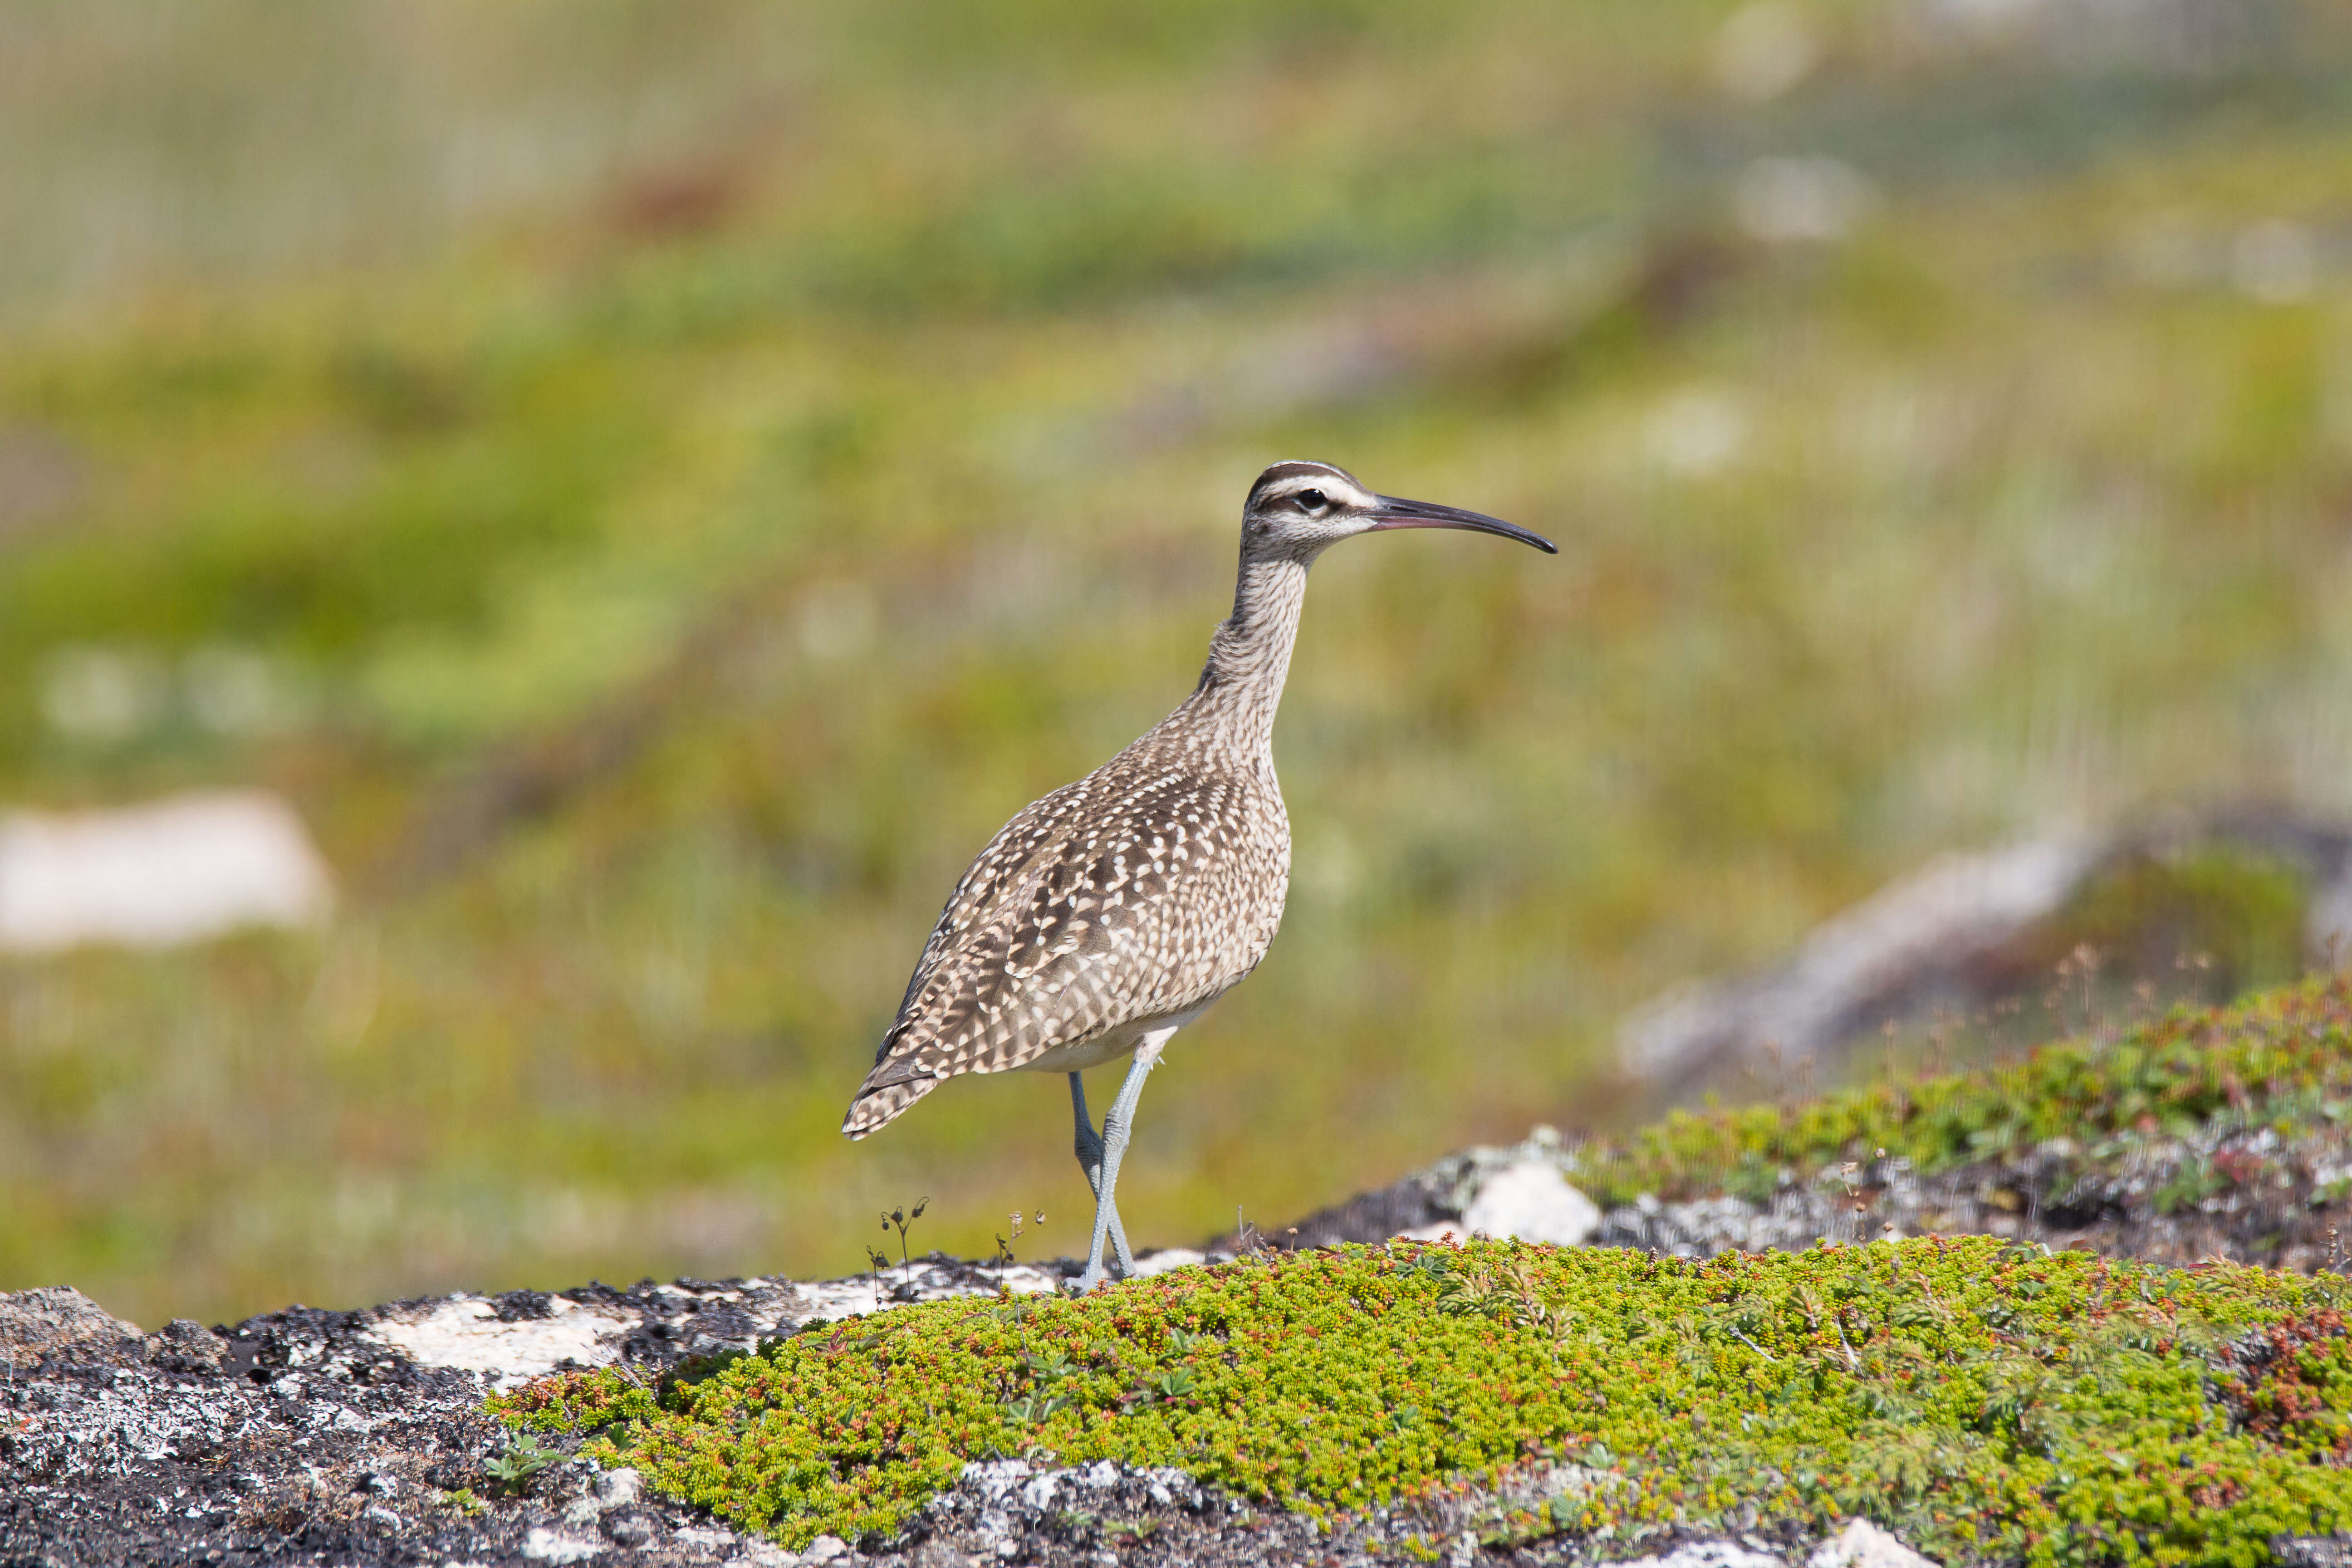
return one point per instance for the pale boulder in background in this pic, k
(176, 870)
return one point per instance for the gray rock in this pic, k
(545, 1545)
(35, 1322)
(619, 1488)
(182, 1345)
(627, 1527)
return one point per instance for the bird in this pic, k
(1110, 913)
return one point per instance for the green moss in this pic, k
(2282, 1058)
(1984, 1399)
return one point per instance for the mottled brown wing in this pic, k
(1074, 920)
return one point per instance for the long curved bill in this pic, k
(1396, 513)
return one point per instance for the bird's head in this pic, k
(1298, 509)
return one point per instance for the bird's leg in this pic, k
(1090, 1144)
(1090, 1156)
(1118, 1123)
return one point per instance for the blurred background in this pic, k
(551, 532)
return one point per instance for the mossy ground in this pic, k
(2281, 1058)
(1986, 1400)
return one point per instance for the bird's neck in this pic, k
(1249, 658)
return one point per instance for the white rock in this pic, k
(1532, 1200)
(1862, 1544)
(996, 1478)
(1166, 1258)
(619, 1489)
(465, 1332)
(824, 1549)
(834, 1300)
(177, 870)
(1708, 1554)
(545, 1545)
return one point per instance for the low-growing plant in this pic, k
(2282, 1059)
(524, 1462)
(900, 1219)
(1986, 1400)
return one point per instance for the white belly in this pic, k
(1111, 1046)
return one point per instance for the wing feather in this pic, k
(1115, 899)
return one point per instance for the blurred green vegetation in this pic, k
(685, 474)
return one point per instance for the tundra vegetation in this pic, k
(1986, 1399)
(2279, 1059)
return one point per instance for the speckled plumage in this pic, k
(1137, 894)
(1116, 908)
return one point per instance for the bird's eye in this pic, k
(1310, 500)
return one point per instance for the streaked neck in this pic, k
(1249, 658)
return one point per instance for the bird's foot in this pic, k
(1101, 1269)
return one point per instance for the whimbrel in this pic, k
(1110, 914)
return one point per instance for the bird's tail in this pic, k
(877, 1103)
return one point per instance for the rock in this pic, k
(1862, 1544)
(627, 1527)
(2312, 1551)
(35, 1322)
(545, 1545)
(1166, 1258)
(1708, 1554)
(939, 1555)
(467, 1333)
(619, 1488)
(171, 871)
(182, 1345)
(824, 1549)
(1532, 1200)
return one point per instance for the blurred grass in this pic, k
(689, 473)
